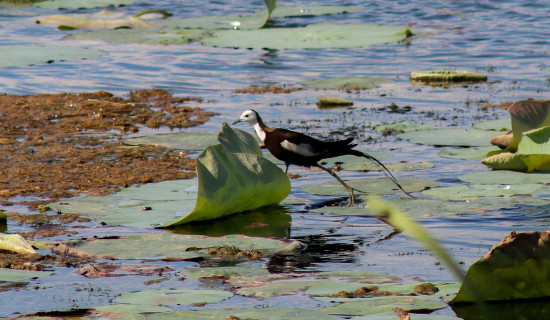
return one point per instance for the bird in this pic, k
(299, 149)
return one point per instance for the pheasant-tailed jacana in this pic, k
(297, 148)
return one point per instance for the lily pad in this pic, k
(447, 76)
(22, 55)
(392, 167)
(404, 126)
(267, 313)
(310, 37)
(20, 275)
(371, 186)
(131, 309)
(178, 141)
(384, 304)
(505, 177)
(450, 137)
(495, 125)
(99, 20)
(195, 273)
(473, 153)
(72, 4)
(307, 11)
(15, 243)
(380, 155)
(169, 297)
(143, 36)
(516, 268)
(347, 83)
(481, 190)
(276, 288)
(176, 246)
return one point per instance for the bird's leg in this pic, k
(350, 189)
(286, 167)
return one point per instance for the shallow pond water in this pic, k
(505, 40)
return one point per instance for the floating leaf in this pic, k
(516, 268)
(450, 137)
(276, 288)
(371, 185)
(447, 76)
(20, 275)
(354, 159)
(235, 182)
(495, 125)
(473, 153)
(392, 167)
(178, 141)
(131, 309)
(143, 36)
(481, 190)
(347, 83)
(226, 272)
(384, 304)
(72, 4)
(309, 37)
(99, 20)
(175, 246)
(15, 243)
(306, 11)
(22, 55)
(267, 313)
(505, 177)
(404, 126)
(170, 297)
(333, 102)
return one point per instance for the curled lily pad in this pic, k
(347, 83)
(516, 268)
(22, 55)
(447, 76)
(309, 37)
(15, 243)
(333, 102)
(305, 10)
(450, 137)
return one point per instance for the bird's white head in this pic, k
(249, 116)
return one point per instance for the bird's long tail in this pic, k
(385, 170)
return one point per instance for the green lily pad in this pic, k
(495, 125)
(450, 137)
(132, 309)
(478, 190)
(413, 316)
(309, 37)
(234, 177)
(384, 304)
(365, 167)
(505, 177)
(143, 36)
(404, 126)
(347, 83)
(305, 10)
(348, 160)
(98, 20)
(20, 275)
(473, 153)
(527, 115)
(71, 4)
(15, 243)
(169, 297)
(22, 55)
(267, 313)
(178, 141)
(371, 186)
(276, 288)
(447, 76)
(516, 268)
(157, 246)
(3, 216)
(195, 273)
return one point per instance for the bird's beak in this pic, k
(236, 121)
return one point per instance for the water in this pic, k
(506, 40)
